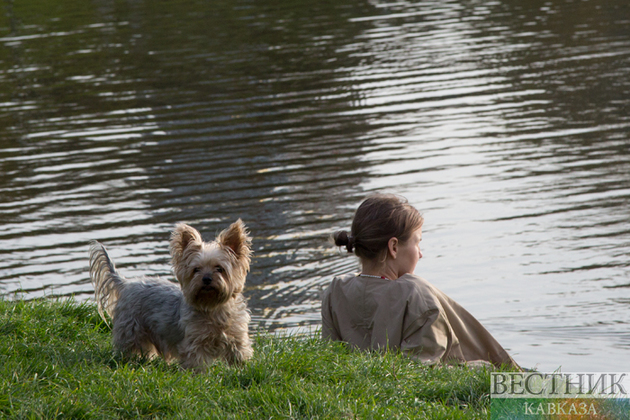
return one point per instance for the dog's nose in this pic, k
(207, 280)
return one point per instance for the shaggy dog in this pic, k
(203, 320)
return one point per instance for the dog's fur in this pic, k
(206, 319)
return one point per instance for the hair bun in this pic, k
(342, 238)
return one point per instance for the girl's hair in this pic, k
(378, 219)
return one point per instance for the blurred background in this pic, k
(504, 122)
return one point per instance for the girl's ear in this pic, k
(392, 247)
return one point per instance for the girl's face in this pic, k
(409, 253)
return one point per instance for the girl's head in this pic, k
(378, 219)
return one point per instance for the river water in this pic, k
(505, 122)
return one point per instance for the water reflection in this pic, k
(503, 121)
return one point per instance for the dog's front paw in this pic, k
(239, 355)
(194, 364)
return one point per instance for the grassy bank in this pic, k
(56, 361)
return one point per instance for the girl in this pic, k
(386, 306)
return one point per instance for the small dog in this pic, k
(206, 319)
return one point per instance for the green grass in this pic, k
(56, 361)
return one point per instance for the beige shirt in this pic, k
(409, 314)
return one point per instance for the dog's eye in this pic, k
(219, 269)
(196, 270)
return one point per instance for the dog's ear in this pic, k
(236, 239)
(185, 242)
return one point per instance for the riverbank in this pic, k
(56, 361)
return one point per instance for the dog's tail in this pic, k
(106, 280)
